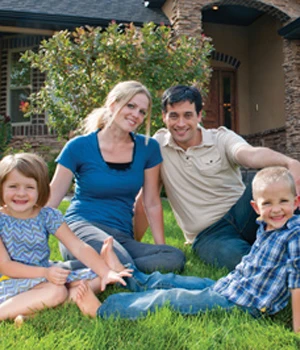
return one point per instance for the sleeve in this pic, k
(68, 156)
(294, 260)
(231, 143)
(154, 156)
(53, 219)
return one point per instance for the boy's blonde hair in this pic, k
(30, 165)
(271, 175)
(122, 93)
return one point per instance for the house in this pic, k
(255, 86)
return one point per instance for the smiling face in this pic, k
(182, 121)
(132, 114)
(20, 194)
(275, 203)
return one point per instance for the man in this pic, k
(202, 178)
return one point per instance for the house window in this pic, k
(19, 88)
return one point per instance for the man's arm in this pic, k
(296, 309)
(260, 157)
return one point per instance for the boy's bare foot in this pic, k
(86, 300)
(110, 257)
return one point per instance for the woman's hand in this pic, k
(115, 277)
(56, 275)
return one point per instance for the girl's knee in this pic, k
(58, 294)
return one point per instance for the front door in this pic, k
(220, 104)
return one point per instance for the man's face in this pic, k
(182, 120)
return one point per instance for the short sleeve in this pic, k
(68, 156)
(53, 219)
(154, 156)
(231, 142)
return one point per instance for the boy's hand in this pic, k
(114, 277)
(56, 275)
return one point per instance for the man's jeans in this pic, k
(229, 239)
(184, 294)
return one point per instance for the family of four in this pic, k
(118, 175)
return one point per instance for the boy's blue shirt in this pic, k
(264, 277)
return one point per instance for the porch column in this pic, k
(187, 17)
(291, 66)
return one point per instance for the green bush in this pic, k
(82, 66)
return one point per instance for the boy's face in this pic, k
(275, 203)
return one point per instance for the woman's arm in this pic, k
(59, 185)
(89, 257)
(152, 203)
(296, 309)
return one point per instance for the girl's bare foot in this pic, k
(110, 257)
(19, 320)
(86, 300)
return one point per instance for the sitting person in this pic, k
(261, 284)
(110, 164)
(28, 280)
(202, 178)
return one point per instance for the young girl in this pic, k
(28, 280)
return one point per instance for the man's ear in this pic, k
(255, 207)
(199, 117)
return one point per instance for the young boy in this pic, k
(261, 284)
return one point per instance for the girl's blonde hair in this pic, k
(122, 93)
(30, 165)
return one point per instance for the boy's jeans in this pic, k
(185, 294)
(229, 239)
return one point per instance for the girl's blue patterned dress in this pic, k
(26, 241)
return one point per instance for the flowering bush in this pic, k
(82, 67)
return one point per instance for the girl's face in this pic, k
(131, 116)
(20, 194)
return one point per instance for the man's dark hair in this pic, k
(181, 93)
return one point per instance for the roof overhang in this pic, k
(291, 31)
(154, 3)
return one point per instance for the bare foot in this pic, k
(19, 320)
(110, 257)
(86, 300)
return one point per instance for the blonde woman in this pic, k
(111, 164)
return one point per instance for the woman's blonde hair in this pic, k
(122, 93)
(30, 165)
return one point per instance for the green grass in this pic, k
(65, 327)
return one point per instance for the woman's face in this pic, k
(131, 116)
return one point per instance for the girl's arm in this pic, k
(60, 184)
(152, 203)
(296, 309)
(89, 257)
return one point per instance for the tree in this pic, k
(81, 67)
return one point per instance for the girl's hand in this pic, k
(57, 275)
(113, 277)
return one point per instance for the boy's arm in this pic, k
(296, 309)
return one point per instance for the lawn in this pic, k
(65, 327)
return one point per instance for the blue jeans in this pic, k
(185, 294)
(146, 257)
(224, 243)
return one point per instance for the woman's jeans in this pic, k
(146, 257)
(185, 294)
(224, 243)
